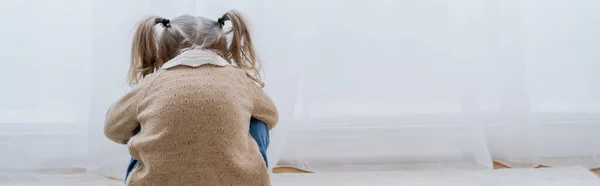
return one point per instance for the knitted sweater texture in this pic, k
(194, 127)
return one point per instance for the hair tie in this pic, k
(165, 23)
(221, 22)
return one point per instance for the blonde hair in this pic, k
(150, 50)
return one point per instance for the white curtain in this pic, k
(419, 84)
(405, 84)
(45, 57)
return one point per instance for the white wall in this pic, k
(46, 59)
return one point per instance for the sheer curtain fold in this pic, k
(386, 89)
(562, 74)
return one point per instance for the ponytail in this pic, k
(144, 48)
(241, 48)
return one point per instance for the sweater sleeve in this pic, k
(264, 109)
(121, 118)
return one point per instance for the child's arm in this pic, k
(264, 109)
(121, 122)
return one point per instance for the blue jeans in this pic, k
(258, 131)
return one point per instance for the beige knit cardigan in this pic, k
(194, 127)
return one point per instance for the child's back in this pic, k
(195, 127)
(196, 94)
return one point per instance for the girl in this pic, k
(196, 94)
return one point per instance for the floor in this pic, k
(501, 176)
(569, 176)
(496, 166)
(504, 177)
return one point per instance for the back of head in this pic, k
(151, 50)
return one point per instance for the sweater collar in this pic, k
(195, 58)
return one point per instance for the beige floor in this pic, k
(496, 166)
(565, 176)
